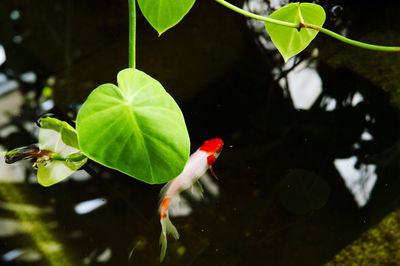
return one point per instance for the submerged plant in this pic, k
(136, 127)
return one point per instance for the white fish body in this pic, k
(198, 164)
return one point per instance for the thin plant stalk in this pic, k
(132, 33)
(330, 33)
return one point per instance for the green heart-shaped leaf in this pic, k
(164, 14)
(67, 132)
(52, 140)
(291, 41)
(136, 128)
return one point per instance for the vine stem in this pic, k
(310, 26)
(364, 45)
(257, 17)
(132, 33)
(75, 158)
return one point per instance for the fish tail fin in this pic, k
(167, 228)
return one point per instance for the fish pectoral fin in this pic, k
(197, 191)
(199, 187)
(209, 185)
(167, 228)
(213, 172)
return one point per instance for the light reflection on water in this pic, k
(88, 206)
(44, 238)
(302, 82)
(359, 180)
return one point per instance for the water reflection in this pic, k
(306, 89)
(97, 256)
(359, 178)
(10, 227)
(22, 255)
(279, 200)
(303, 191)
(2, 54)
(88, 206)
(301, 81)
(15, 14)
(263, 8)
(31, 223)
(25, 208)
(7, 85)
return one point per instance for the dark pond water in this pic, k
(311, 161)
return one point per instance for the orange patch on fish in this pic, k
(164, 207)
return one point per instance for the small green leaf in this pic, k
(291, 41)
(136, 128)
(164, 14)
(68, 133)
(51, 172)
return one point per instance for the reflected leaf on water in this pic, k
(303, 191)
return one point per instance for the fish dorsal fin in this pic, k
(209, 185)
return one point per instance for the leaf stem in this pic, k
(75, 157)
(132, 33)
(257, 17)
(310, 26)
(364, 45)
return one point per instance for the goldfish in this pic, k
(197, 165)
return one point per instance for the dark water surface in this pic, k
(311, 161)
